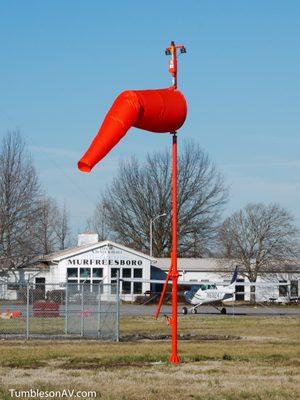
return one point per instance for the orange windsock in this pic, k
(161, 110)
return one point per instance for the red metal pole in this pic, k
(174, 359)
(162, 295)
(173, 64)
(173, 273)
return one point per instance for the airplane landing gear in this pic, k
(193, 310)
(186, 310)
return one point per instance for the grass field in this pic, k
(230, 358)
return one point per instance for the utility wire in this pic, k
(58, 167)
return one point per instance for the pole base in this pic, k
(174, 359)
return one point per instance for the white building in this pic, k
(217, 270)
(97, 262)
(94, 262)
(91, 262)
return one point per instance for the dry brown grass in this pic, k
(263, 365)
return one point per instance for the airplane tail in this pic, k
(234, 276)
(230, 289)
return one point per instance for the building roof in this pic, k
(62, 254)
(184, 264)
(215, 265)
(193, 264)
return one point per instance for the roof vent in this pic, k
(87, 238)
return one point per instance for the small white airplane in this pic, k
(209, 293)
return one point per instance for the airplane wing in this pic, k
(218, 283)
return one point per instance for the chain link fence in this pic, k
(71, 310)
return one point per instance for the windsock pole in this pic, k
(174, 359)
(164, 110)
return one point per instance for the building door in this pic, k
(40, 283)
(240, 288)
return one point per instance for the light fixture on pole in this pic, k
(151, 233)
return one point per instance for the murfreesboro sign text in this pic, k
(116, 262)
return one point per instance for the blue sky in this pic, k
(64, 62)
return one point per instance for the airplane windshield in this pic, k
(204, 286)
(208, 286)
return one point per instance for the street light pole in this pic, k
(151, 233)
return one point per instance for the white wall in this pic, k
(106, 257)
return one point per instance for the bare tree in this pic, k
(30, 224)
(52, 226)
(45, 225)
(19, 193)
(98, 222)
(140, 192)
(259, 238)
(62, 227)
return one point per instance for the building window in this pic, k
(85, 272)
(97, 287)
(97, 272)
(240, 290)
(126, 287)
(138, 273)
(86, 286)
(40, 283)
(294, 289)
(72, 273)
(85, 281)
(113, 280)
(73, 281)
(73, 288)
(126, 273)
(137, 287)
(283, 289)
(114, 272)
(13, 286)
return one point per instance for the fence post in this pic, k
(27, 311)
(66, 309)
(118, 307)
(82, 310)
(99, 312)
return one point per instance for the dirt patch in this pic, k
(24, 364)
(152, 337)
(97, 366)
